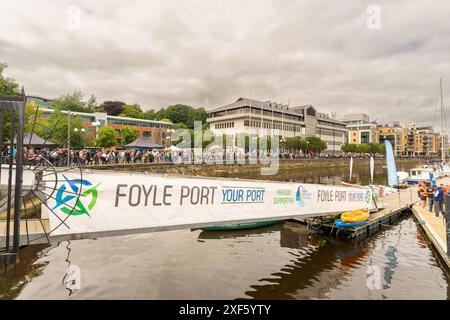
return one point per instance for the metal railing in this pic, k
(12, 107)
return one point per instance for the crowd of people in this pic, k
(433, 195)
(103, 156)
(91, 156)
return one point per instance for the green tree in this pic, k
(55, 129)
(350, 147)
(30, 111)
(107, 137)
(132, 111)
(128, 135)
(149, 115)
(74, 102)
(363, 148)
(315, 144)
(293, 144)
(181, 113)
(8, 86)
(373, 148)
(112, 108)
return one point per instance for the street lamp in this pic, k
(82, 130)
(169, 135)
(96, 124)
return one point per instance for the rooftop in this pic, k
(275, 107)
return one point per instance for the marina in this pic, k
(225, 151)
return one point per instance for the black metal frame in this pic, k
(15, 104)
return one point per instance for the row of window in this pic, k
(46, 115)
(330, 124)
(224, 125)
(259, 112)
(137, 124)
(325, 132)
(268, 125)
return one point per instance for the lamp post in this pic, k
(82, 130)
(169, 136)
(96, 124)
(68, 138)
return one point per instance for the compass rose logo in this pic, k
(70, 190)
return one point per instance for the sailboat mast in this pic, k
(442, 124)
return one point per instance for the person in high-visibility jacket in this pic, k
(423, 194)
(447, 190)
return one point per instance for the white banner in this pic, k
(122, 201)
(351, 169)
(372, 169)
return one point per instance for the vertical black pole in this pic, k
(2, 126)
(19, 170)
(447, 222)
(11, 158)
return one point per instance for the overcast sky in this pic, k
(208, 53)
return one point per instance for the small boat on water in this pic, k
(242, 226)
(355, 216)
(420, 174)
(402, 176)
(341, 224)
(352, 218)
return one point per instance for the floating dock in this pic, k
(394, 206)
(435, 229)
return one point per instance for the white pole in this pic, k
(271, 104)
(442, 124)
(351, 169)
(372, 169)
(68, 139)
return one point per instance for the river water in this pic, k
(284, 261)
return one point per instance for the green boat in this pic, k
(251, 225)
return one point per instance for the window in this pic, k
(365, 137)
(147, 134)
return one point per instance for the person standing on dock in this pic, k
(423, 195)
(430, 190)
(438, 199)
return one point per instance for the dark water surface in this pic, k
(284, 261)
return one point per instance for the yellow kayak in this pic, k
(355, 216)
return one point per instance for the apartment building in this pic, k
(360, 129)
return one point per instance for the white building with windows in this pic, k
(266, 118)
(360, 129)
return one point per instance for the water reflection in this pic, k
(330, 175)
(15, 277)
(318, 265)
(282, 261)
(232, 234)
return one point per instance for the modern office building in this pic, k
(156, 131)
(265, 118)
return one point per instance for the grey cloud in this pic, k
(208, 53)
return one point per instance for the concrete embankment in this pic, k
(220, 170)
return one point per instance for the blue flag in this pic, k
(390, 162)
